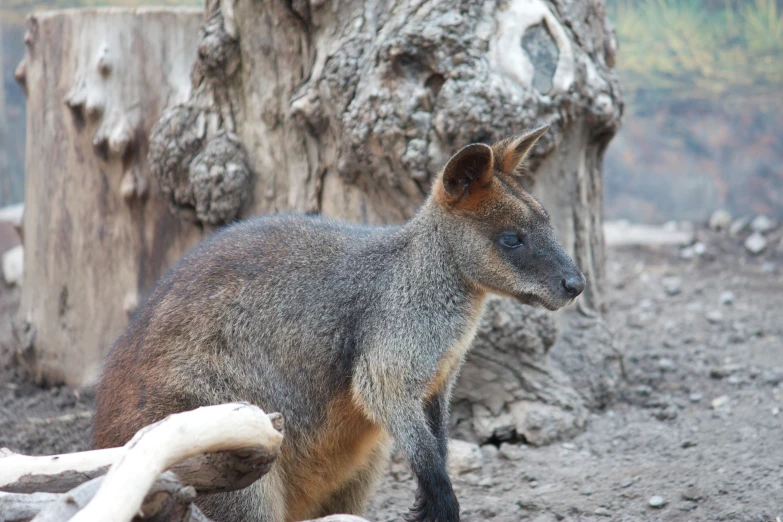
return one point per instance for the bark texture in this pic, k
(96, 236)
(349, 109)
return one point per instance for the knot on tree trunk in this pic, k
(201, 167)
(445, 78)
(204, 179)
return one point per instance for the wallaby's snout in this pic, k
(499, 232)
(574, 285)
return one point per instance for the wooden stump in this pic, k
(96, 235)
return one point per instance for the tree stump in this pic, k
(96, 236)
(350, 109)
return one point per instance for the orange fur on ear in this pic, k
(467, 171)
(510, 152)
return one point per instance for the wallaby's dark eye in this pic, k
(510, 240)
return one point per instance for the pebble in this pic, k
(656, 501)
(755, 244)
(726, 298)
(720, 220)
(772, 377)
(602, 512)
(696, 397)
(688, 253)
(692, 493)
(714, 316)
(672, 285)
(718, 402)
(666, 365)
(762, 224)
(12, 265)
(739, 226)
(490, 451)
(511, 451)
(699, 248)
(775, 411)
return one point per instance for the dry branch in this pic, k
(155, 448)
(16, 507)
(208, 473)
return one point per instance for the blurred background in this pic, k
(703, 128)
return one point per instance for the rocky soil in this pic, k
(695, 433)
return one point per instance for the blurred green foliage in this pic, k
(680, 50)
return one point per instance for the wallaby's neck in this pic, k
(421, 251)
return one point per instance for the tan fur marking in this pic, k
(344, 446)
(452, 360)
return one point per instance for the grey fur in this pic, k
(292, 312)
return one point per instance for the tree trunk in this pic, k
(5, 175)
(96, 238)
(349, 109)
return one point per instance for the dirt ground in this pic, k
(697, 420)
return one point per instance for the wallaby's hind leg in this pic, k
(263, 501)
(352, 497)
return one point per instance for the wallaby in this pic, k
(354, 333)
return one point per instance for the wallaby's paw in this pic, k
(434, 510)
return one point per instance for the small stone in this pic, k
(667, 413)
(726, 298)
(719, 402)
(692, 493)
(720, 220)
(13, 265)
(755, 244)
(666, 365)
(719, 372)
(656, 502)
(490, 451)
(714, 316)
(775, 411)
(511, 451)
(699, 248)
(643, 390)
(602, 512)
(688, 506)
(696, 397)
(628, 483)
(568, 446)
(734, 379)
(687, 444)
(464, 456)
(739, 226)
(762, 224)
(772, 377)
(672, 285)
(688, 253)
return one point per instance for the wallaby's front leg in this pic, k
(435, 498)
(393, 389)
(436, 408)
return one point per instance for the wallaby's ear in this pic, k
(509, 153)
(467, 171)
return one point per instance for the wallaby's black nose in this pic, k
(574, 285)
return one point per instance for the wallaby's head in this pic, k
(499, 234)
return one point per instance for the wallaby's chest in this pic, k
(450, 362)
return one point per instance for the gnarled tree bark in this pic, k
(349, 109)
